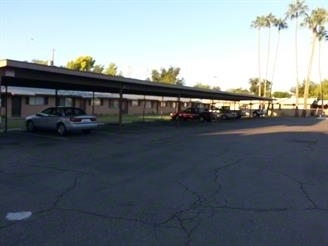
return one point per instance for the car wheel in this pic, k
(61, 129)
(30, 126)
(86, 131)
(223, 117)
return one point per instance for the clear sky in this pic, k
(210, 40)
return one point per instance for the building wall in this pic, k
(26, 107)
(110, 106)
(105, 106)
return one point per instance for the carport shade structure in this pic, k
(25, 74)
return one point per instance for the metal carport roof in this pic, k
(24, 74)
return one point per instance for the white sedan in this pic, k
(62, 120)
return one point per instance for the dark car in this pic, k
(226, 114)
(62, 120)
(193, 114)
(258, 113)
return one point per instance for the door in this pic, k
(125, 106)
(16, 106)
(82, 103)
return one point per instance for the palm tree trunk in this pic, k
(275, 59)
(259, 59)
(267, 64)
(296, 65)
(307, 82)
(320, 79)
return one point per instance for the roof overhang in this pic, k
(24, 74)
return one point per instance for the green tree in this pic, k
(324, 89)
(111, 69)
(314, 22)
(216, 88)
(239, 91)
(313, 91)
(167, 76)
(41, 62)
(98, 68)
(281, 94)
(202, 86)
(82, 63)
(294, 12)
(255, 85)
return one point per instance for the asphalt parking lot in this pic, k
(248, 182)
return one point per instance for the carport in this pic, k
(24, 74)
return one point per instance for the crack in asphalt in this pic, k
(187, 232)
(61, 169)
(65, 192)
(194, 193)
(302, 187)
(188, 219)
(308, 197)
(232, 163)
(250, 209)
(59, 197)
(105, 216)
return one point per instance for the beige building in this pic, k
(20, 102)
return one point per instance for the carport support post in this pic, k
(0, 105)
(178, 108)
(56, 98)
(93, 103)
(120, 105)
(6, 108)
(143, 108)
(179, 104)
(161, 108)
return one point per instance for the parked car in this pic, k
(193, 114)
(226, 114)
(62, 120)
(258, 113)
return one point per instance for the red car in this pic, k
(193, 114)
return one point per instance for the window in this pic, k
(163, 104)
(96, 102)
(134, 103)
(113, 103)
(66, 101)
(37, 100)
(148, 104)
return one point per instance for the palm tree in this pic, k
(315, 22)
(295, 11)
(259, 23)
(322, 34)
(268, 22)
(280, 24)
